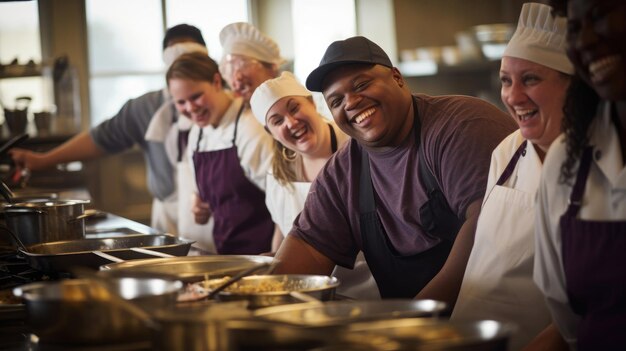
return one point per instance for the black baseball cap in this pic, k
(342, 52)
(181, 31)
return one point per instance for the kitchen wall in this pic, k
(117, 183)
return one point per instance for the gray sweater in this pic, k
(127, 128)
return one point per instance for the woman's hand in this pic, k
(201, 210)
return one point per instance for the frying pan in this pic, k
(62, 256)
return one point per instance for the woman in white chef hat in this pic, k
(303, 141)
(249, 58)
(535, 74)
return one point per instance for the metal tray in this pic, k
(337, 313)
(188, 269)
(63, 255)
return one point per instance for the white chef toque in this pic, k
(171, 53)
(540, 38)
(242, 38)
(268, 93)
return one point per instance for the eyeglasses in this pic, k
(232, 64)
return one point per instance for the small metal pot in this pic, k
(81, 311)
(41, 221)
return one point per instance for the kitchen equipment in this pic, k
(17, 119)
(198, 326)
(63, 255)
(340, 313)
(440, 335)
(188, 269)
(43, 122)
(79, 311)
(232, 280)
(493, 38)
(14, 141)
(270, 290)
(41, 221)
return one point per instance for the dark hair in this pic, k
(194, 66)
(559, 7)
(183, 31)
(581, 107)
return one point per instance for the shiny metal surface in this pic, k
(440, 335)
(62, 255)
(189, 269)
(46, 220)
(81, 311)
(338, 313)
(253, 289)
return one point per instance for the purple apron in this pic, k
(243, 224)
(594, 261)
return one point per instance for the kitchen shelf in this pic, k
(425, 68)
(20, 71)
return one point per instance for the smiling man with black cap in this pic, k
(406, 190)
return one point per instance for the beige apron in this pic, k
(498, 279)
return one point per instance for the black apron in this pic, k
(594, 261)
(397, 276)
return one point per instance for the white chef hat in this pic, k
(540, 38)
(272, 90)
(242, 38)
(172, 52)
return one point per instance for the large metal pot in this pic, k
(45, 220)
(85, 312)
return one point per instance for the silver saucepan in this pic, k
(46, 220)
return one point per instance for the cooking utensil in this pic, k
(15, 238)
(77, 311)
(63, 255)
(188, 269)
(270, 290)
(46, 220)
(428, 334)
(17, 119)
(14, 141)
(340, 313)
(6, 193)
(150, 252)
(197, 326)
(230, 281)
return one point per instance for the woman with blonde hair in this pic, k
(303, 142)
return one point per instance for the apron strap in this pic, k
(575, 200)
(243, 104)
(508, 171)
(199, 138)
(333, 139)
(366, 191)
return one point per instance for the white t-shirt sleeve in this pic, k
(254, 148)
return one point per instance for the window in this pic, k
(19, 44)
(311, 39)
(125, 56)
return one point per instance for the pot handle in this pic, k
(107, 256)
(83, 216)
(9, 210)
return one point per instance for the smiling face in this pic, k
(245, 74)
(201, 101)
(534, 96)
(295, 123)
(370, 103)
(597, 44)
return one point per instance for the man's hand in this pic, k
(28, 159)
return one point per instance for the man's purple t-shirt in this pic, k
(458, 134)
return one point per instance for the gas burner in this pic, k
(15, 271)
